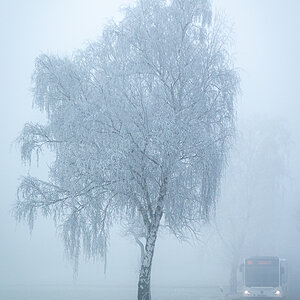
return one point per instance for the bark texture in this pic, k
(144, 292)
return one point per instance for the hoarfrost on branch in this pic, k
(140, 122)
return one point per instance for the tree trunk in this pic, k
(142, 248)
(144, 292)
(233, 277)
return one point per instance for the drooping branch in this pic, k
(33, 138)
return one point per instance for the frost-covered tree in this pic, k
(140, 122)
(253, 192)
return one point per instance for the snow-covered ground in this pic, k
(48, 292)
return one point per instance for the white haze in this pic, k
(266, 47)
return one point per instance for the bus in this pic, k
(264, 277)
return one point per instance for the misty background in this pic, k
(266, 50)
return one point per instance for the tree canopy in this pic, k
(139, 121)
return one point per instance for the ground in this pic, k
(53, 292)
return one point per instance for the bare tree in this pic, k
(140, 122)
(252, 192)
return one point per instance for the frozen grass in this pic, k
(43, 292)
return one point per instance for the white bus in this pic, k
(264, 277)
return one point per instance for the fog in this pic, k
(266, 49)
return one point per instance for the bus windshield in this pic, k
(262, 273)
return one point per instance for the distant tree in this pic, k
(252, 192)
(140, 122)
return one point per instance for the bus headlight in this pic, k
(246, 292)
(277, 292)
